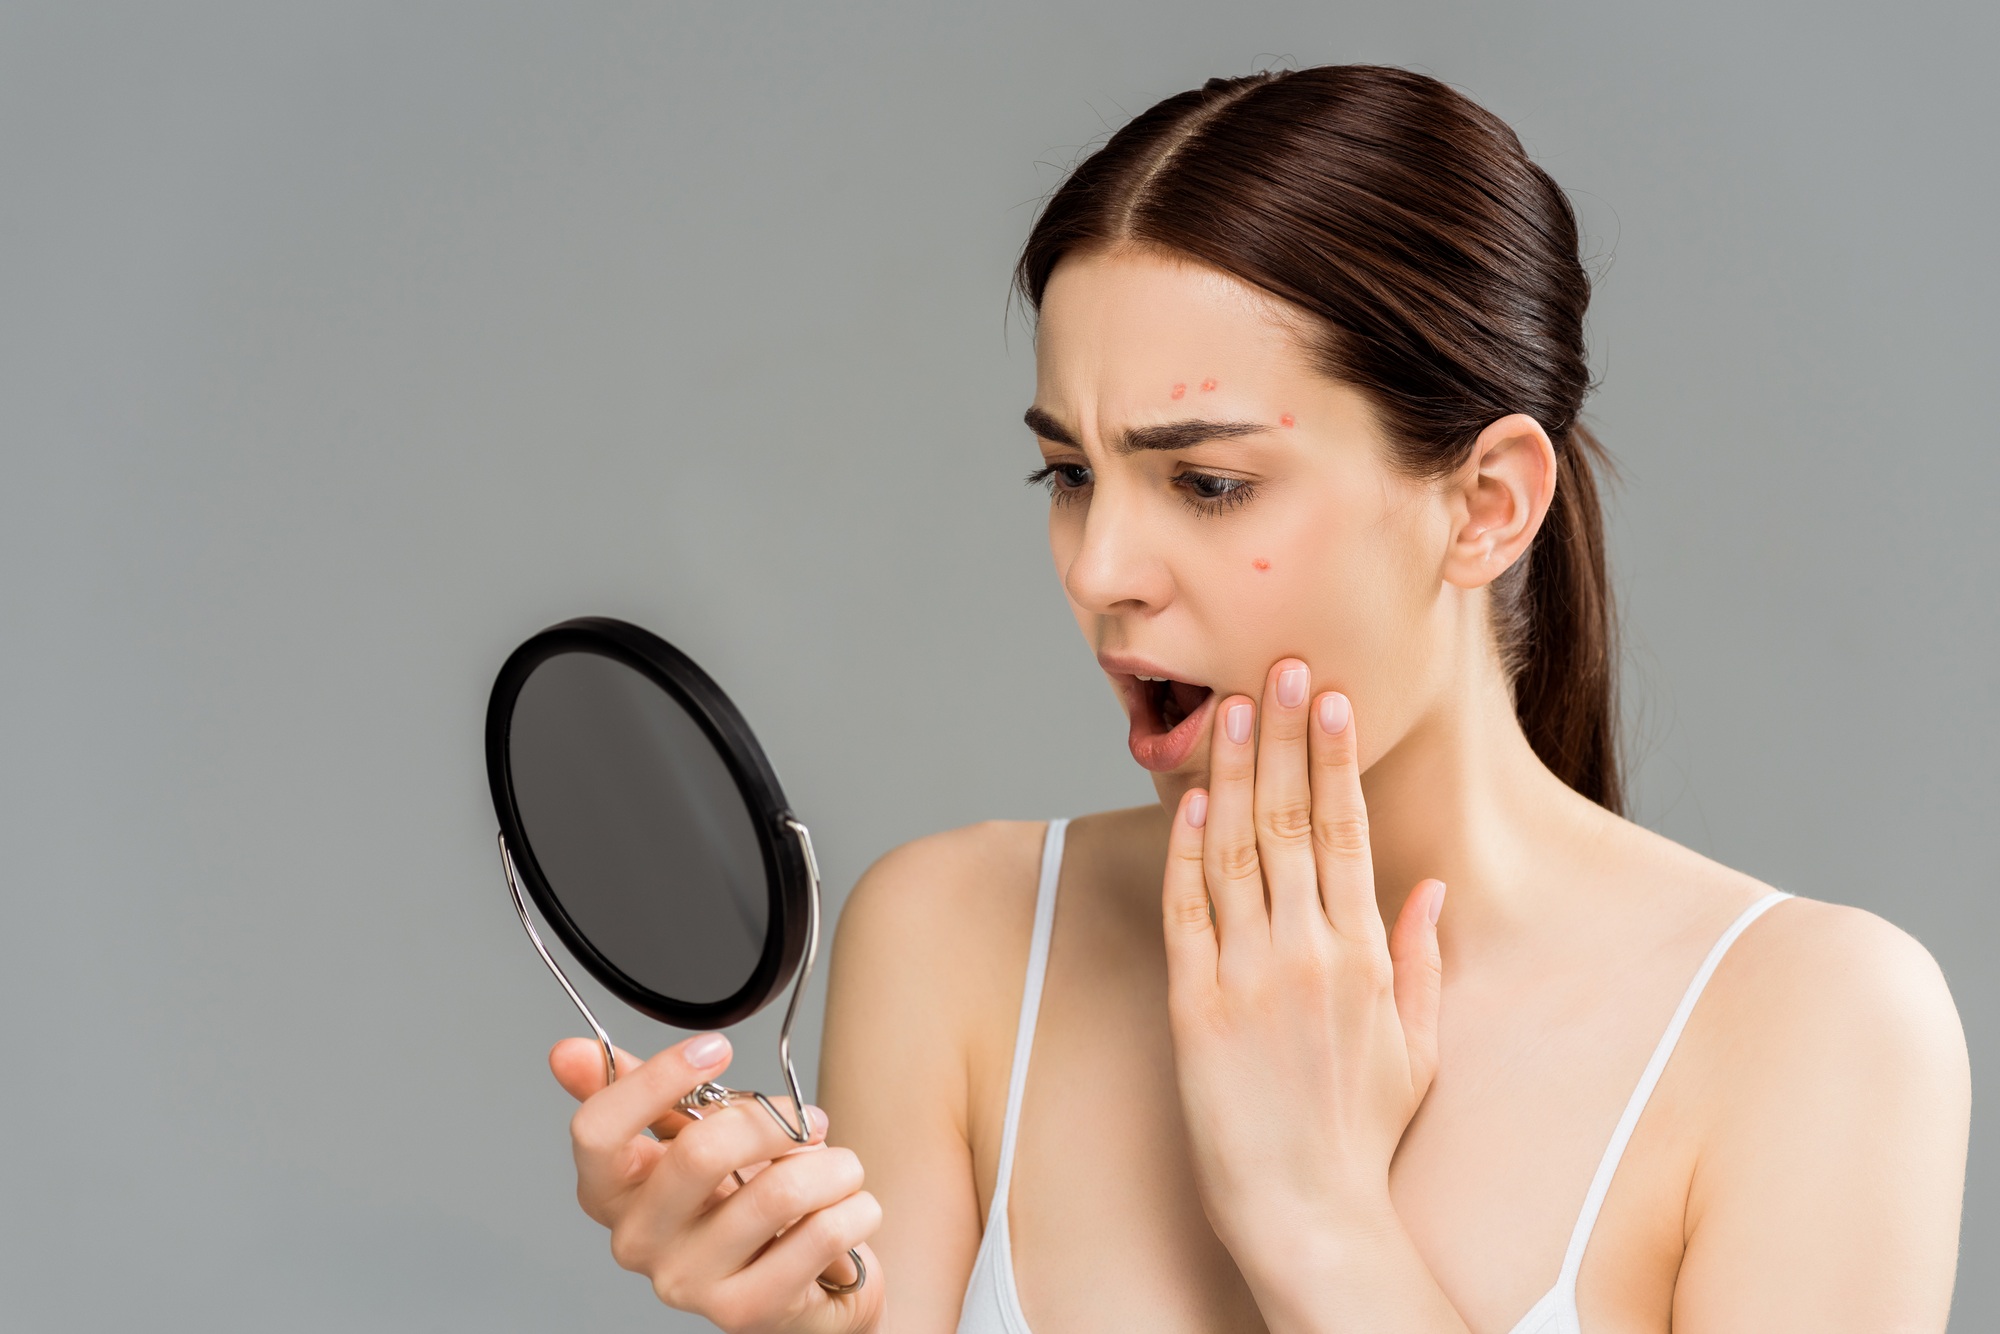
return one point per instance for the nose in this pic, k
(1117, 567)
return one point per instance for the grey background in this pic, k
(343, 345)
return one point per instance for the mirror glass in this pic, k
(641, 832)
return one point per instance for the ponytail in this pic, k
(1565, 665)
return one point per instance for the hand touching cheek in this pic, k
(1305, 1036)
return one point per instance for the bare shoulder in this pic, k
(1848, 989)
(1816, 1004)
(933, 941)
(1835, 1107)
(928, 952)
(938, 901)
(1805, 967)
(920, 973)
(965, 898)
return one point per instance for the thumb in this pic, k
(1413, 948)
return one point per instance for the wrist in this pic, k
(1292, 1268)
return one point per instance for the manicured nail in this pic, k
(1236, 722)
(1334, 713)
(706, 1050)
(816, 1119)
(1197, 810)
(1293, 683)
(1437, 902)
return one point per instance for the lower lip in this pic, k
(1162, 752)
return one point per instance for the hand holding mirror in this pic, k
(639, 815)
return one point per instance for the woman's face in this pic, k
(1219, 504)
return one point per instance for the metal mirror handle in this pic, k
(711, 1095)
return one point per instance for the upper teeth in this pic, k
(1143, 677)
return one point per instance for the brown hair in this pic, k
(1441, 267)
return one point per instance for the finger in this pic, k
(578, 1065)
(606, 1134)
(1190, 930)
(1284, 803)
(727, 1140)
(841, 1272)
(1340, 823)
(1229, 841)
(802, 1182)
(815, 1245)
(1413, 948)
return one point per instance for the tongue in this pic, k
(1182, 699)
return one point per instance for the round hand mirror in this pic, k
(639, 815)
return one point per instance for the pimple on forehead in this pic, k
(1260, 564)
(1179, 391)
(1286, 420)
(1207, 385)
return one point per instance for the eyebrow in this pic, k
(1166, 435)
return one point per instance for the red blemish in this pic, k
(1286, 420)
(1179, 389)
(1260, 563)
(1207, 385)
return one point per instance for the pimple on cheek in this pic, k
(1260, 564)
(1286, 420)
(1180, 390)
(1207, 386)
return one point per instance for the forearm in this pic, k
(1361, 1275)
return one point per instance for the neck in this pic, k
(1462, 797)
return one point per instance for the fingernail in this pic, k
(706, 1050)
(1236, 723)
(1292, 685)
(1437, 902)
(816, 1119)
(1334, 712)
(1197, 810)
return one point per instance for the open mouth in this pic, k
(1171, 702)
(1168, 718)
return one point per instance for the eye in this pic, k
(1063, 480)
(1208, 493)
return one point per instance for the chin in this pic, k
(1172, 787)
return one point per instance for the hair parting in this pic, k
(1438, 265)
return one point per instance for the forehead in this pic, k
(1123, 325)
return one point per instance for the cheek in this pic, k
(1285, 588)
(1268, 600)
(1309, 593)
(1065, 532)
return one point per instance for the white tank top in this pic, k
(993, 1305)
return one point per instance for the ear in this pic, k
(1498, 500)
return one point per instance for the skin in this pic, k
(1327, 1106)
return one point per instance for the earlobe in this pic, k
(1499, 498)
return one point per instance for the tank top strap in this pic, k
(1607, 1167)
(1031, 1006)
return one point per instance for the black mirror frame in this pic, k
(785, 869)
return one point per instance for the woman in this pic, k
(1310, 364)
